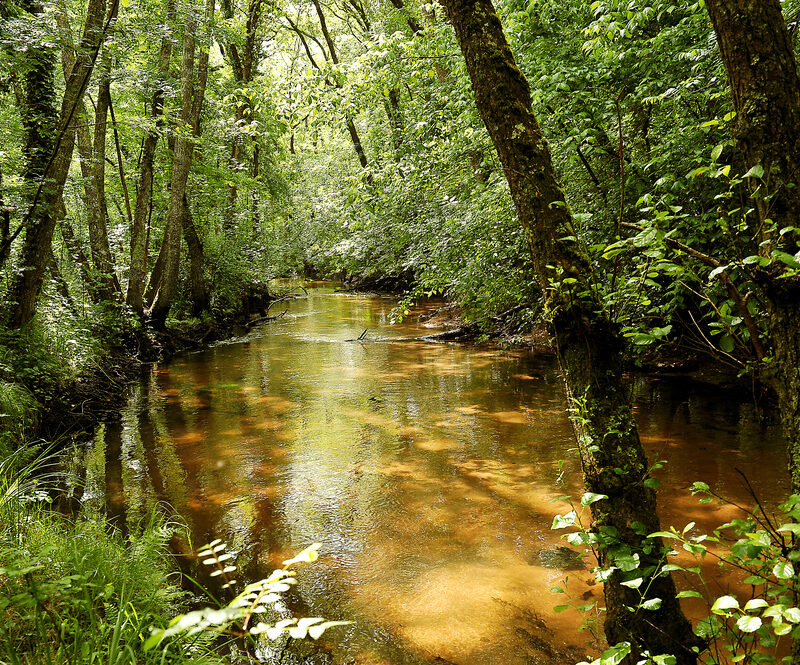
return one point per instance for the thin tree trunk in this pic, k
(243, 68)
(412, 22)
(198, 286)
(61, 284)
(75, 250)
(103, 285)
(166, 287)
(139, 229)
(98, 218)
(351, 127)
(589, 345)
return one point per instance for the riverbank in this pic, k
(523, 327)
(60, 403)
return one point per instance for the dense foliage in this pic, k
(162, 161)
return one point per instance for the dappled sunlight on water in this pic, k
(428, 472)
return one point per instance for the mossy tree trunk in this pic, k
(52, 158)
(760, 62)
(757, 51)
(589, 344)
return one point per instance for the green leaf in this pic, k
(780, 628)
(615, 654)
(755, 604)
(717, 151)
(315, 631)
(308, 555)
(727, 344)
(652, 604)
(748, 624)
(792, 614)
(634, 583)
(560, 608)
(663, 534)
(564, 521)
(755, 172)
(783, 570)
(788, 259)
(652, 483)
(688, 594)
(590, 497)
(723, 604)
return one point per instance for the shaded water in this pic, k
(426, 470)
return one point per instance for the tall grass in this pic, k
(74, 591)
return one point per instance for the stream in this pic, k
(427, 472)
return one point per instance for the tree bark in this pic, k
(144, 188)
(103, 284)
(198, 287)
(588, 343)
(164, 290)
(759, 59)
(75, 250)
(243, 68)
(197, 284)
(98, 218)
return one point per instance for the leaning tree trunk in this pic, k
(40, 220)
(588, 343)
(351, 126)
(103, 284)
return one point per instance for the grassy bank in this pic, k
(73, 590)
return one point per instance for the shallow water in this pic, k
(426, 471)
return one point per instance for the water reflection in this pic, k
(426, 470)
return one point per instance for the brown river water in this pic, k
(427, 471)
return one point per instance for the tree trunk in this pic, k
(351, 126)
(589, 345)
(757, 51)
(198, 287)
(412, 22)
(103, 284)
(40, 220)
(243, 73)
(98, 218)
(75, 250)
(40, 123)
(166, 287)
(197, 283)
(144, 188)
(61, 284)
